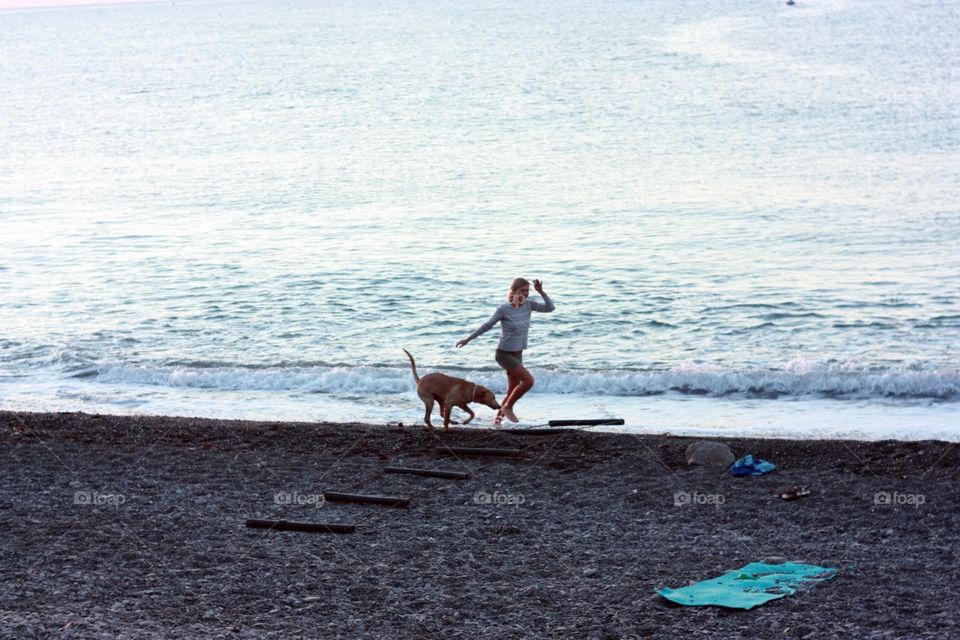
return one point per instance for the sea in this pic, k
(747, 213)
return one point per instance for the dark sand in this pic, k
(597, 533)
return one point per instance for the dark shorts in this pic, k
(509, 359)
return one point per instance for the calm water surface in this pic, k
(746, 213)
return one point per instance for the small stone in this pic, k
(774, 560)
(590, 571)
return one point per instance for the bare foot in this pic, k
(498, 420)
(511, 416)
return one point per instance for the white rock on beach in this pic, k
(709, 454)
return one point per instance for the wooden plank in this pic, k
(430, 473)
(309, 527)
(585, 423)
(387, 501)
(477, 451)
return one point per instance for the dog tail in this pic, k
(413, 365)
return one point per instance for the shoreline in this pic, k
(700, 417)
(479, 427)
(591, 528)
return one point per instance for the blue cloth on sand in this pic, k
(751, 585)
(748, 466)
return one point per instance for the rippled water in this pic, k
(743, 210)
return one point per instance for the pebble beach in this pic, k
(134, 527)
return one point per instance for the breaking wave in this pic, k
(798, 378)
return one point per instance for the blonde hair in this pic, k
(519, 283)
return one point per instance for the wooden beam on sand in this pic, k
(387, 501)
(477, 451)
(309, 527)
(585, 423)
(430, 473)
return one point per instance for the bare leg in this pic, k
(526, 383)
(516, 381)
(513, 381)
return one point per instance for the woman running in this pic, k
(514, 319)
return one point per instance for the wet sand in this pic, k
(133, 527)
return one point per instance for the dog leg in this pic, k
(427, 399)
(445, 413)
(468, 410)
(426, 416)
(446, 416)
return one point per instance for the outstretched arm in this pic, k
(547, 305)
(486, 326)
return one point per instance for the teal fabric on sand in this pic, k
(749, 586)
(748, 466)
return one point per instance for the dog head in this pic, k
(485, 396)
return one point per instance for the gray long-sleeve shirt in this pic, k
(514, 322)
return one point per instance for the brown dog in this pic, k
(450, 392)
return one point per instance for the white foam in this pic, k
(797, 379)
(676, 414)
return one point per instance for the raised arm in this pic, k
(486, 326)
(547, 305)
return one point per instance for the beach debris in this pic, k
(477, 451)
(586, 423)
(749, 466)
(795, 492)
(751, 585)
(387, 501)
(308, 527)
(709, 454)
(430, 473)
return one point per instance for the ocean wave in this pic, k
(799, 378)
